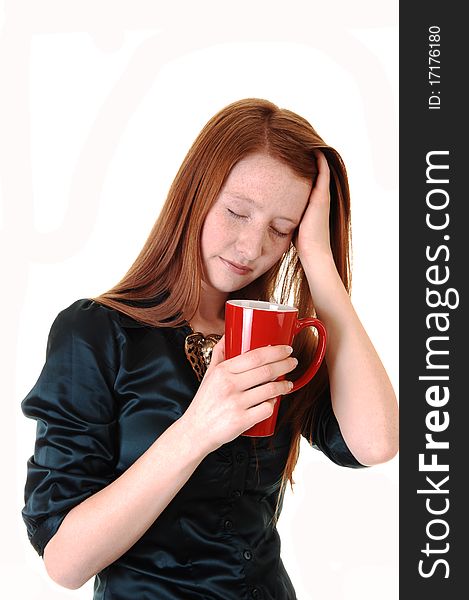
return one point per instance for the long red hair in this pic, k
(162, 287)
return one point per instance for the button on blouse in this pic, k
(109, 387)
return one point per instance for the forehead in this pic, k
(266, 181)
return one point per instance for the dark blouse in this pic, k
(109, 387)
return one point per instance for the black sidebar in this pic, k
(434, 328)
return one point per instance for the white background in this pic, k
(99, 103)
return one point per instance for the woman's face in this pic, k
(252, 221)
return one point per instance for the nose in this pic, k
(250, 243)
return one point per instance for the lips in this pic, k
(236, 267)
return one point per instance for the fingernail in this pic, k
(288, 349)
(290, 385)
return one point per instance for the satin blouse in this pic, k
(109, 387)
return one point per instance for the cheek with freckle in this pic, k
(215, 235)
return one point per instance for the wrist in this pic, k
(320, 269)
(326, 286)
(195, 440)
(317, 256)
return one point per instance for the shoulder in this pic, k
(86, 328)
(85, 317)
(105, 329)
(86, 313)
(83, 310)
(82, 360)
(99, 327)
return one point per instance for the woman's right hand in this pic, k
(237, 393)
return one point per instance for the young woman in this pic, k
(140, 473)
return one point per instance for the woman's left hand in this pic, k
(312, 240)
(362, 396)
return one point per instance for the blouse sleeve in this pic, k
(323, 433)
(73, 404)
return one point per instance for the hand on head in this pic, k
(312, 238)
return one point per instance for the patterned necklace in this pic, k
(198, 349)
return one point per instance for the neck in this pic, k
(212, 303)
(210, 313)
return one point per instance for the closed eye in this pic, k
(279, 233)
(236, 215)
(275, 231)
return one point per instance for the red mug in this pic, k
(251, 324)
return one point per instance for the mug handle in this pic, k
(318, 355)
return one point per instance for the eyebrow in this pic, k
(251, 201)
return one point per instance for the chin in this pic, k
(227, 287)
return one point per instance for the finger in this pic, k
(260, 412)
(218, 352)
(267, 391)
(323, 178)
(265, 373)
(252, 359)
